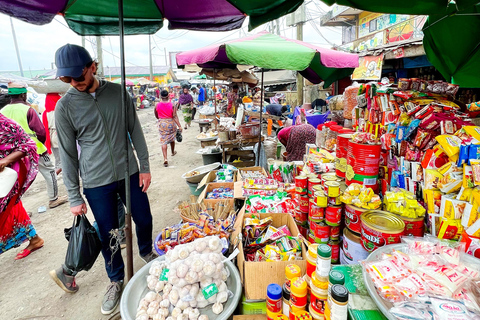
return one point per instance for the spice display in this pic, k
(336, 308)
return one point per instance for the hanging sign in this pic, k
(369, 68)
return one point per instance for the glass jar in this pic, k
(320, 137)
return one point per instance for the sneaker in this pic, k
(57, 202)
(112, 297)
(149, 257)
(64, 281)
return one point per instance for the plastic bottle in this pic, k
(318, 297)
(336, 308)
(335, 277)
(298, 294)
(291, 271)
(324, 256)
(274, 300)
(311, 259)
(286, 302)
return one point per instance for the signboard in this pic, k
(399, 53)
(370, 68)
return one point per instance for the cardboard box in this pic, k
(210, 177)
(241, 170)
(209, 188)
(256, 276)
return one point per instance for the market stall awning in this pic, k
(456, 54)
(413, 7)
(89, 17)
(269, 51)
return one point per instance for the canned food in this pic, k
(333, 215)
(320, 199)
(352, 247)
(413, 226)
(328, 177)
(334, 201)
(321, 232)
(352, 218)
(380, 228)
(334, 233)
(303, 203)
(311, 183)
(315, 212)
(332, 188)
(335, 245)
(301, 184)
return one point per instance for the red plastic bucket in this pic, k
(362, 164)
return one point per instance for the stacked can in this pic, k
(352, 250)
(301, 211)
(325, 213)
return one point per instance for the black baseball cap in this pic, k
(71, 60)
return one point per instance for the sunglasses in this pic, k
(67, 79)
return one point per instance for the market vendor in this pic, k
(295, 138)
(232, 100)
(276, 109)
(257, 97)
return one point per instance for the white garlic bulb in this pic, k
(222, 296)
(206, 282)
(159, 286)
(182, 305)
(150, 296)
(215, 257)
(222, 287)
(168, 287)
(164, 303)
(142, 317)
(170, 318)
(202, 317)
(182, 317)
(184, 292)
(154, 304)
(217, 308)
(151, 311)
(197, 265)
(164, 312)
(202, 304)
(183, 253)
(194, 290)
(182, 270)
(212, 299)
(158, 317)
(181, 283)
(172, 255)
(193, 314)
(209, 268)
(219, 269)
(214, 244)
(143, 303)
(175, 312)
(187, 310)
(191, 277)
(173, 296)
(193, 303)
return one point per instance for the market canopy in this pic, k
(269, 51)
(453, 50)
(93, 17)
(413, 7)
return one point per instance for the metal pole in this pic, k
(16, 47)
(214, 100)
(150, 56)
(299, 76)
(83, 41)
(128, 211)
(165, 52)
(99, 57)
(257, 161)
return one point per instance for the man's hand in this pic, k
(145, 180)
(78, 210)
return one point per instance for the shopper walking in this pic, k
(17, 152)
(92, 113)
(185, 101)
(168, 124)
(19, 111)
(195, 101)
(201, 95)
(48, 119)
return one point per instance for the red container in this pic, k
(321, 232)
(311, 183)
(413, 227)
(303, 203)
(315, 212)
(333, 215)
(335, 245)
(335, 233)
(301, 185)
(341, 153)
(334, 201)
(303, 230)
(363, 164)
(300, 216)
(352, 218)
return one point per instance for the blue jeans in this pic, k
(104, 204)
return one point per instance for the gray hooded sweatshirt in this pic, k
(97, 123)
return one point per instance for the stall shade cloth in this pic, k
(269, 51)
(93, 17)
(456, 54)
(413, 7)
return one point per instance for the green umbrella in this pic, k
(452, 45)
(414, 7)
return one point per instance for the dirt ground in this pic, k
(26, 289)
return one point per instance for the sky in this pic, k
(37, 44)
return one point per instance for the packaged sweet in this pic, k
(468, 177)
(475, 171)
(350, 100)
(433, 198)
(432, 178)
(449, 309)
(450, 229)
(450, 144)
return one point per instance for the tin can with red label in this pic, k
(352, 218)
(334, 201)
(315, 213)
(320, 199)
(301, 184)
(413, 226)
(311, 235)
(335, 245)
(335, 233)
(380, 228)
(321, 232)
(300, 216)
(303, 203)
(333, 215)
(312, 182)
(332, 188)
(302, 229)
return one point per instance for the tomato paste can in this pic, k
(332, 188)
(363, 164)
(311, 235)
(303, 203)
(352, 248)
(303, 230)
(333, 215)
(312, 182)
(321, 232)
(352, 218)
(320, 199)
(341, 153)
(300, 216)
(335, 233)
(334, 201)
(315, 213)
(335, 245)
(380, 228)
(413, 226)
(328, 177)
(301, 185)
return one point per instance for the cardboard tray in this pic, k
(211, 176)
(241, 170)
(256, 276)
(209, 188)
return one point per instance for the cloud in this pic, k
(37, 44)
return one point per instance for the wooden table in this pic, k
(232, 148)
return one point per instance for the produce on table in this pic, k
(191, 278)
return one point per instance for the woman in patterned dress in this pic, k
(18, 152)
(167, 124)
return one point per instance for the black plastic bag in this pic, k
(179, 136)
(83, 245)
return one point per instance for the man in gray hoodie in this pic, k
(92, 113)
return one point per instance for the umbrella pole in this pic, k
(128, 211)
(214, 100)
(260, 134)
